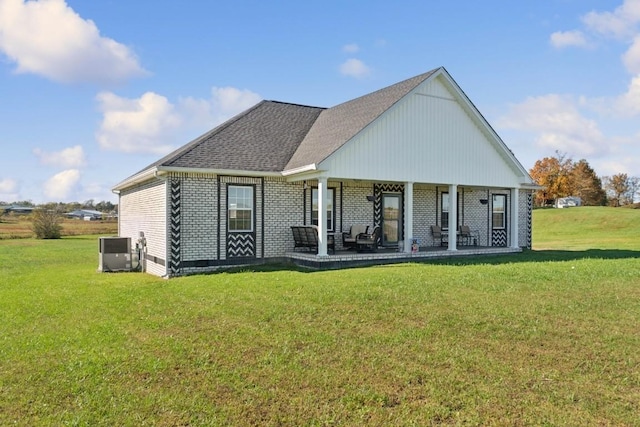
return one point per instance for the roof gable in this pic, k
(282, 138)
(337, 125)
(431, 135)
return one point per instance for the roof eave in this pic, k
(164, 170)
(158, 171)
(143, 176)
(300, 170)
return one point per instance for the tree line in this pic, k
(102, 206)
(561, 176)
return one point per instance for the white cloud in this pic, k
(631, 57)
(354, 68)
(224, 103)
(621, 23)
(72, 157)
(561, 39)
(628, 104)
(558, 125)
(8, 190)
(50, 39)
(145, 124)
(152, 124)
(61, 186)
(8, 185)
(350, 48)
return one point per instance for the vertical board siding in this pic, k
(427, 137)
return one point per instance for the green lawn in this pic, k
(541, 338)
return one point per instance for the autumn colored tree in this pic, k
(552, 173)
(621, 188)
(584, 183)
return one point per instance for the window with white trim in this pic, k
(240, 208)
(330, 208)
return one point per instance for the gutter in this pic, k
(159, 171)
(143, 176)
(307, 168)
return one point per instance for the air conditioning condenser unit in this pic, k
(115, 254)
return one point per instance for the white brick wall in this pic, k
(146, 208)
(283, 204)
(199, 220)
(143, 208)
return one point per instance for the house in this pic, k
(406, 157)
(568, 202)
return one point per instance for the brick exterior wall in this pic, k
(199, 218)
(283, 207)
(185, 240)
(143, 208)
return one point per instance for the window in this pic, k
(240, 206)
(499, 217)
(444, 218)
(330, 205)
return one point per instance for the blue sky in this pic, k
(93, 91)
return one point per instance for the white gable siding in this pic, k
(144, 208)
(426, 137)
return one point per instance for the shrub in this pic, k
(46, 223)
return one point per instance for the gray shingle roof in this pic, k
(262, 138)
(274, 136)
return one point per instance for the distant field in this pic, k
(19, 227)
(586, 227)
(546, 337)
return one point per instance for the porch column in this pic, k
(322, 216)
(408, 216)
(514, 218)
(453, 217)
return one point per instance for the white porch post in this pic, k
(322, 216)
(453, 217)
(408, 215)
(514, 218)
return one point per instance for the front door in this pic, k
(391, 219)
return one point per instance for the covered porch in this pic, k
(407, 211)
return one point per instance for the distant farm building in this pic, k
(568, 202)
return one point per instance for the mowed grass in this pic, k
(540, 338)
(586, 228)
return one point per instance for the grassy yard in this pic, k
(548, 337)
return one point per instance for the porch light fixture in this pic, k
(483, 201)
(371, 198)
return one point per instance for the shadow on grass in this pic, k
(546, 255)
(525, 256)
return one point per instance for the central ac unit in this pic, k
(115, 254)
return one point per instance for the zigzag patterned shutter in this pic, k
(241, 245)
(175, 256)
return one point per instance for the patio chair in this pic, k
(368, 241)
(467, 236)
(438, 235)
(349, 238)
